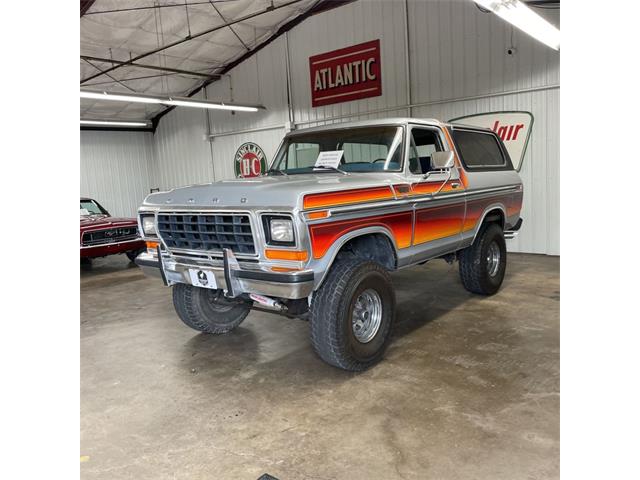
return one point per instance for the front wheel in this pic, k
(482, 265)
(208, 310)
(352, 314)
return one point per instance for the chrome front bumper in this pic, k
(231, 277)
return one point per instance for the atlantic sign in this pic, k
(514, 128)
(347, 74)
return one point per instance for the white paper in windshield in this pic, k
(329, 159)
(84, 211)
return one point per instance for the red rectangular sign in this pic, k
(346, 74)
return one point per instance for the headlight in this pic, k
(279, 230)
(149, 225)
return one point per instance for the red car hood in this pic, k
(97, 222)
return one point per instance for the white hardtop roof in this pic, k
(384, 121)
(370, 123)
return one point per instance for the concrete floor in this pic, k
(469, 387)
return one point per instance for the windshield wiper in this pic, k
(275, 170)
(329, 167)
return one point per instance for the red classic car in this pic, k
(102, 235)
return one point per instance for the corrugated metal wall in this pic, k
(456, 52)
(115, 169)
(182, 155)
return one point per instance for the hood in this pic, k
(273, 191)
(100, 221)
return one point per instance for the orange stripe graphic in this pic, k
(359, 195)
(437, 222)
(324, 235)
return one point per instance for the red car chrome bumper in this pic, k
(111, 248)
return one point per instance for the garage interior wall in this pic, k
(115, 169)
(440, 59)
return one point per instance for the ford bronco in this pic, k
(339, 208)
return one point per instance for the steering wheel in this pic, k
(379, 160)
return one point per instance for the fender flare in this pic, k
(493, 206)
(326, 262)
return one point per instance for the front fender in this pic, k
(322, 265)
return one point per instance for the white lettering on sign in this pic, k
(329, 159)
(344, 74)
(513, 128)
(250, 161)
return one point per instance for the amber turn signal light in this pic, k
(152, 245)
(296, 255)
(318, 214)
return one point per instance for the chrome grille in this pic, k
(109, 235)
(207, 232)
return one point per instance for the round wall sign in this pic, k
(250, 161)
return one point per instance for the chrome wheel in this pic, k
(366, 315)
(493, 259)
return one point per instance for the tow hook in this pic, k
(268, 302)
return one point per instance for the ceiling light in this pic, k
(174, 101)
(118, 97)
(522, 17)
(218, 106)
(114, 123)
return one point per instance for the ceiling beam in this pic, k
(230, 27)
(151, 7)
(108, 75)
(140, 65)
(318, 7)
(84, 6)
(192, 37)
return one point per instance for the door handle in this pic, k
(455, 185)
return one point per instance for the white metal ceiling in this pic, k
(123, 30)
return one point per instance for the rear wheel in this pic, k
(208, 310)
(483, 264)
(352, 314)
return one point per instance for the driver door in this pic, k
(439, 210)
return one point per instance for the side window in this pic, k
(423, 143)
(478, 149)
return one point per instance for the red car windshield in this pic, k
(91, 207)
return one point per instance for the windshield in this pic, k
(364, 149)
(91, 207)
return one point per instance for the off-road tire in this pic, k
(474, 264)
(132, 254)
(332, 307)
(197, 309)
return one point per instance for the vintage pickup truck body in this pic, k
(396, 217)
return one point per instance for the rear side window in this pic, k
(479, 149)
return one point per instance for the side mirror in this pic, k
(442, 160)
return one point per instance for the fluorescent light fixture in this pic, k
(113, 123)
(218, 106)
(174, 101)
(117, 97)
(522, 17)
